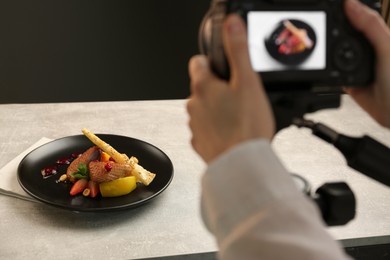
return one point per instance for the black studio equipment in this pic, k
(306, 75)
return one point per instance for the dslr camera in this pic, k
(294, 44)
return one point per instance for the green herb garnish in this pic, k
(82, 172)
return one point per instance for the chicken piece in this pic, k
(85, 158)
(108, 171)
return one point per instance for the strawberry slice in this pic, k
(94, 188)
(78, 187)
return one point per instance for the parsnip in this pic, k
(142, 175)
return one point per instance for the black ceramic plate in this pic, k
(57, 194)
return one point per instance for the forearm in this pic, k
(255, 212)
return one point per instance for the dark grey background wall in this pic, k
(93, 50)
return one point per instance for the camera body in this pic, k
(294, 44)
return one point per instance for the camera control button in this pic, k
(335, 32)
(334, 74)
(347, 55)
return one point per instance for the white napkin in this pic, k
(9, 184)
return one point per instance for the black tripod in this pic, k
(366, 155)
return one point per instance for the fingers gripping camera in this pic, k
(294, 44)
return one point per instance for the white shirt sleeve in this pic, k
(255, 210)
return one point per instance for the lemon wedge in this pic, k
(118, 187)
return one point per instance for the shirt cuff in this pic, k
(242, 181)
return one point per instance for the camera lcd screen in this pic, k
(285, 40)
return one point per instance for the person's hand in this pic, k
(374, 99)
(223, 114)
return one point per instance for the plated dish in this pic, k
(50, 191)
(291, 42)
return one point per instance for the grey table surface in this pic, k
(170, 224)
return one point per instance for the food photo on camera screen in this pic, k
(287, 40)
(312, 47)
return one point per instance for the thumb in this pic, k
(369, 23)
(236, 47)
